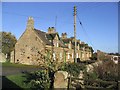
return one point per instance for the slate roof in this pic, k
(51, 36)
(66, 40)
(62, 43)
(42, 35)
(46, 37)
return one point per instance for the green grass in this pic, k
(17, 65)
(18, 80)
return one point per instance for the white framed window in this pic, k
(68, 55)
(77, 55)
(57, 44)
(60, 56)
(6, 56)
(54, 58)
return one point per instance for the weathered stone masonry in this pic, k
(33, 46)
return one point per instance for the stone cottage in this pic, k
(34, 47)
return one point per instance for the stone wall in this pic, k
(29, 49)
(12, 57)
(2, 57)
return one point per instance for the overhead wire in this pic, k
(89, 40)
(92, 6)
(55, 21)
(25, 15)
(96, 4)
(13, 13)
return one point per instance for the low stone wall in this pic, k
(90, 67)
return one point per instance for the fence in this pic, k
(77, 83)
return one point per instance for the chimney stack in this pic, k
(30, 23)
(64, 35)
(51, 30)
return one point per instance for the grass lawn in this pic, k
(15, 81)
(14, 78)
(17, 65)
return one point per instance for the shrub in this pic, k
(73, 68)
(107, 71)
(38, 79)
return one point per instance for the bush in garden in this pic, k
(107, 71)
(73, 68)
(90, 75)
(39, 79)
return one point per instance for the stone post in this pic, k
(61, 80)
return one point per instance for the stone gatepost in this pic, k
(61, 80)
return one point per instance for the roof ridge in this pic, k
(39, 30)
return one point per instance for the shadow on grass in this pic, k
(6, 83)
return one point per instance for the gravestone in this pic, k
(61, 80)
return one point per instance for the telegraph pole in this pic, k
(75, 34)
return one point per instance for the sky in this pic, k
(99, 20)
